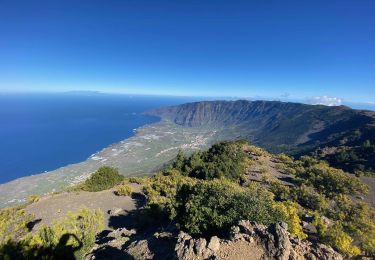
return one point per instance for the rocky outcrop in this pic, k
(189, 248)
(247, 240)
(251, 241)
(123, 243)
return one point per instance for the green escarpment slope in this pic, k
(293, 128)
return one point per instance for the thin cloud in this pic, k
(326, 100)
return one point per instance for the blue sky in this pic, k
(277, 49)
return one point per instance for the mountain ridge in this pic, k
(314, 121)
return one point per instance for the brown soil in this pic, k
(52, 207)
(240, 250)
(370, 197)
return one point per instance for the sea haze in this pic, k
(42, 132)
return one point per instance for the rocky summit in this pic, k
(247, 240)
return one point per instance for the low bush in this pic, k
(225, 159)
(33, 198)
(283, 158)
(211, 207)
(308, 197)
(104, 178)
(162, 189)
(124, 190)
(281, 191)
(290, 214)
(340, 240)
(139, 180)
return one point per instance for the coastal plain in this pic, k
(146, 152)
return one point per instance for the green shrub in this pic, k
(211, 207)
(281, 191)
(320, 224)
(225, 159)
(162, 189)
(340, 240)
(283, 158)
(290, 214)
(308, 161)
(308, 197)
(104, 178)
(180, 161)
(123, 190)
(33, 198)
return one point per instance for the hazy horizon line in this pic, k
(306, 100)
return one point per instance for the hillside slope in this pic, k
(232, 201)
(278, 126)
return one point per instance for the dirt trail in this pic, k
(52, 207)
(370, 197)
(264, 167)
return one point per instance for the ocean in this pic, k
(42, 132)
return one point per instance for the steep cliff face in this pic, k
(261, 113)
(278, 126)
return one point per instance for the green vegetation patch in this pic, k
(123, 189)
(210, 207)
(68, 238)
(13, 224)
(358, 158)
(103, 179)
(225, 159)
(327, 194)
(330, 181)
(204, 196)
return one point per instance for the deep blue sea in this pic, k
(42, 132)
